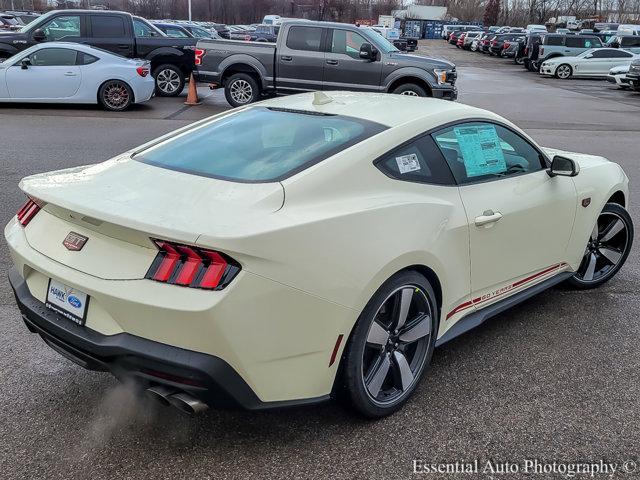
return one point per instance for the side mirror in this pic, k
(39, 35)
(368, 52)
(564, 167)
(25, 63)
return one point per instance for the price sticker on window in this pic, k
(408, 163)
(481, 150)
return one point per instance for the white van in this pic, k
(628, 30)
(272, 20)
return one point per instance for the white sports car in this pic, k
(62, 72)
(618, 76)
(592, 63)
(283, 252)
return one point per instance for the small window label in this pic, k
(408, 163)
(481, 150)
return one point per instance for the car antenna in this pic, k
(321, 98)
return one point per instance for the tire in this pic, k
(380, 371)
(564, 71)
(169, 80)
(607, 249)
(518, 60)
(241, 89)
(115, 95)
(411, 89)
(532, 66)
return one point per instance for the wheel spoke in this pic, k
(610, 254)
(612, 230)
(377, 334)
(406, 294)
(594, 232)
(591, 267)
(378, 377)
(420, 329)
(403, 369)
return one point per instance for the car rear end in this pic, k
(141, 81)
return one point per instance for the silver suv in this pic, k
(553, 46)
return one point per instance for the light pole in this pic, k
(189, 10)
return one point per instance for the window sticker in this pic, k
(481, 150)
(587, 43)
(408, 163)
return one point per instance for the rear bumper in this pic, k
(149, 363)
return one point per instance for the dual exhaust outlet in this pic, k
(181, 400)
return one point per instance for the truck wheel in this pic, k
(411, 89)
(241, 89)
(115, 95)
(169, 80)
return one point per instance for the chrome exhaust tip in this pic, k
(161, 394)
(187, 404)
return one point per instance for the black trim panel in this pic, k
(127, 356)
(478, 317)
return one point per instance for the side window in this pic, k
(574, 42)
(59, 28)
(175, 32)
(478, 151)
(304, 38)
(107, 26)
(53, 57)
(419, 161)
(554, 40)
(603, 54)
(141, 29)
(347, 42)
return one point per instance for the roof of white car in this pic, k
(75, 46)
(382, 108)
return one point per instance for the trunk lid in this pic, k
(122, 203)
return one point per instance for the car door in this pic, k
(344, 69)
(52, 74)
(300, 59)
(520, 219)
(112, 33)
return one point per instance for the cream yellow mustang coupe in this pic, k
(295, 249)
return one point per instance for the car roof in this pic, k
(382, 108)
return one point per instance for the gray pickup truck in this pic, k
(311, 56)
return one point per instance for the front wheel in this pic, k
(391, 345)
(115, 95)
(169, 80)
(607, 249)
(563, 71)
(410, 89)
(241, 89)
(518, 60)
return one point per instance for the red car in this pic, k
(460, 41)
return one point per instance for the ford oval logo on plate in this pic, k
(74, 301)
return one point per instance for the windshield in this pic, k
(259, 144)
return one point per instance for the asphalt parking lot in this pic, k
(556, 378)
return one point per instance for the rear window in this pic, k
(259, 144)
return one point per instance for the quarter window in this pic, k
(304, 38)
(142, 30)
(419, 161)
(347, 43)
(478, 151)
(67, 26)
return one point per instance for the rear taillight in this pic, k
(191, 266)
(506, 45)
(526, 50)
(541, 50)
(199, 54)
(27, 212)
(143, 71)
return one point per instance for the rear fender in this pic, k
(243, 59)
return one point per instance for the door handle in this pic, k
(70, 74)
(488, 216)
(332, 62)
(286, 58)
(124, 46)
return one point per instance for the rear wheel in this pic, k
(564, 71)
(241, 89)
(391, 345)
(518, 60)
(115, 95)
(410, 89)
(169, 80)
(607, 248)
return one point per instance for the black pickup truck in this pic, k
(172, 59)
(320, 56)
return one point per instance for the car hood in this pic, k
(427, 63)
(582, 159)
(10, 36)
(619, 70)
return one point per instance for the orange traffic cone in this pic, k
(192, 96)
